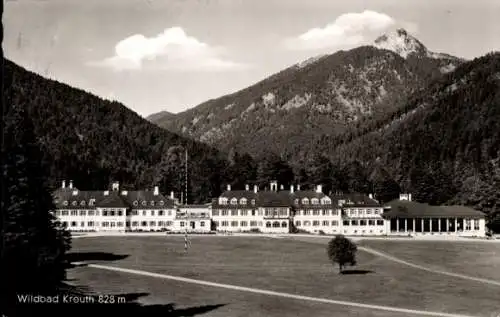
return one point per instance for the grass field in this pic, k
(291, 266)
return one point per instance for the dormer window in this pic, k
(305, 201)
(91, 202)
(162, 202)
(243, 201)
(65, 203)
(136, 203)
(74, 203)
(144, 203)
(234, 201)
(82, 203)
(222, 201)
(152, 203)
(327, 201)
(296, 201)
(314, 201)
(253, 201)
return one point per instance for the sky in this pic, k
(171, 55)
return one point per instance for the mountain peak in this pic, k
(400, 42)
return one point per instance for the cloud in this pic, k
(348, 29)
(173, 49)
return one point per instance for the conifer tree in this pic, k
(33, 242)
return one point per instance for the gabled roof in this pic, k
(411, 209)
(274, 199)
(355, 200)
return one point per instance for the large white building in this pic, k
(269, 211)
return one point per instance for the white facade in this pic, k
(326, 220)
(363, 221)
(193, 218)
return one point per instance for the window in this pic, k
(74, 203)
(170, 212)
(135, 223)
(234, 212)
(234, 201)
(144, 203)
(362, 222)
(113, 224)
(467, 224)
(354, 222)
(276, 224)
(380, 222)
(91, 213)
(215, 212)
(253, 201)
(216, 223)
(327, 201)
(97, 212)
(119, 224)
(335, 223)
(170, 223)
(182, 223)
(307, 223)
(161, 203)
(82, 203)
(296, 201)
(74, 213)
(65, 224)
(136, 203)
(368, 211)
(91, 202)
(234, 223)
(244, 212)
(225, 212)
(268, 224)
(225, 223)
(326, 212)
(253, 223)
(65, 203)
(127, 223)
(152, 213)
(243, 201)
(112, 212)
(305, 201)
(243, 223)
(315, 212)
(120, 213)
(314, 201)
(83, 212)
(64, 213)
(297, 223)
(345, 222)
(202, 224)
(90, 224)
(152, 203)
(284, 224)
(307, 212)
(315, 223)
(144, 224)
(152, 223)
(105, 224)
(82, 224)
(476, 224)
(371, 222)
(260, 223)
(160, 212)
(144, 212)
(283, 212)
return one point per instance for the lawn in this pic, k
(479, 259)
(283, 265)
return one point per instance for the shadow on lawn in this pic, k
(94, 256)
(131, 306)
(356, 272)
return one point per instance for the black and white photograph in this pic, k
(250, 158)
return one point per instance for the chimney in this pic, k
(124, 193)
(291, 189)
(156, 192)
(115, 186)
(70, 184)
(172, 195)
(106, 192)
(228, 188)
(63, 184)
(255, 189)
(298, 187)
(247, 187)
(370, 196)
(75, 192)
(319, 189)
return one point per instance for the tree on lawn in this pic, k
(34, 244)
(342, 251)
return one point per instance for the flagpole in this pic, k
(186, 190)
